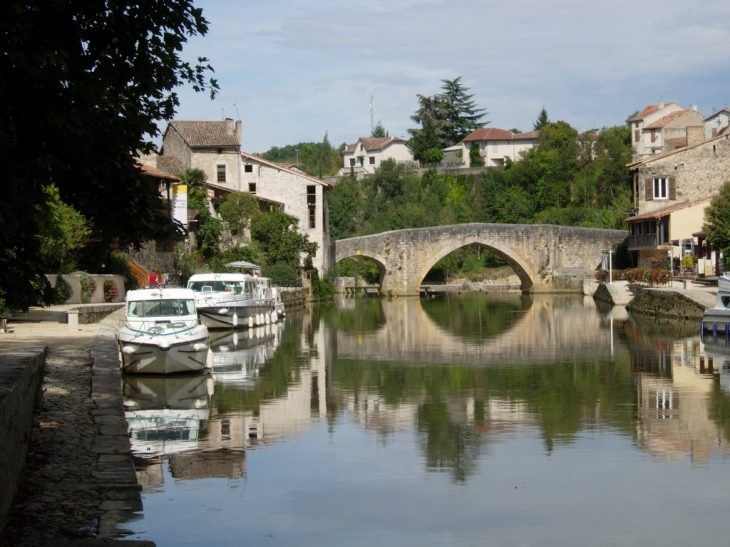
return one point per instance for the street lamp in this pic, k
(609, 252)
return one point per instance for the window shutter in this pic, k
(648, 189)
(672, 188)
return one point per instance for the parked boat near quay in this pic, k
(161, 333)
(231, 300)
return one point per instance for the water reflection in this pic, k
(457, 380)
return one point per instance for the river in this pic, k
(462, 420)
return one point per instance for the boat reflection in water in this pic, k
(236, 356)
(165, 414)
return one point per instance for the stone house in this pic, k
(215, 148)
(496, 146)
(366, 155)
(300, 195)
(662, 127)
(717, 123)
(671, 191)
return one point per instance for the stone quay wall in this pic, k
(23, 371)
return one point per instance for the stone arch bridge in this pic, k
(546, 258)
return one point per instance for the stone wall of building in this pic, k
(699, 171)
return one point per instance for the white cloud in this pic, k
(296, 69)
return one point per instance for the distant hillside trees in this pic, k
(567, 179)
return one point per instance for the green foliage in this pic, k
(541, 121)
(283, 274)
(277, 236)
(322, 288)
(475, 158)
(449, 116)
(208, 233)
(379, 131)
(717, 220)
(238, 208)
(88, 286)
(63, 232)
(84, 87)
(62, 290)
(111, 291)
(688, 262)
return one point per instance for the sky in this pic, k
(295, 70)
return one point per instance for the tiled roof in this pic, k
(199, 134)
(170, 164)
(373, 144)
(490, 134)
(157, 173)
(654, 157)
(664, 211)
(644, 113)
(661, 122)
(527, 135)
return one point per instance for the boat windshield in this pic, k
(216, 286)
(161, 308)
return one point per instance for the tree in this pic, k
(717, 221)
(541, 121)
(277, 236)
(96, 78)
(64, 232)
(237, 209)
(425, 141)
(454, 114)
(462, 114)
(379, 131)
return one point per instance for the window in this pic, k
(660, 188)
(637, 135)
(251, 187)
(248, 168)
(495, 147)
(371, 160)
(221, 170)
(352, 162)
(312, 203)
(311, 195)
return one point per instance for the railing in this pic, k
(643, 241)
(139, 272)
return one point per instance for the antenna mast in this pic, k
(372, 114)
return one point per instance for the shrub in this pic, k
(688, 262)
(88, 286)
(283, 275)
(63, 290)
(111, 292)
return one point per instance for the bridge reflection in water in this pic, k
(458, 386)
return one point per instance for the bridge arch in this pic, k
(536, 252)
(516, 262)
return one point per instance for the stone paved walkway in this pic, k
(79, 486)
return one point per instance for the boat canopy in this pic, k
(243, 264)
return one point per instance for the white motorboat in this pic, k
(166, 413)
(226, 300)
(236, 356)
(162, 333)
(717, 318)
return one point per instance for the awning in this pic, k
(243, 264)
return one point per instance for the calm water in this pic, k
(472, 420)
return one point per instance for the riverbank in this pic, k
(678, 300)
(78, 484)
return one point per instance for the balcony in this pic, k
(644, 241)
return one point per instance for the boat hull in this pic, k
(249, 314)
(161, 355)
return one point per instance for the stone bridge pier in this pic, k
(545, 257)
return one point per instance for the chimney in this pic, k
(229, 126)
(695, 135)
(693, 107)
(238, 132)
(661, 105)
